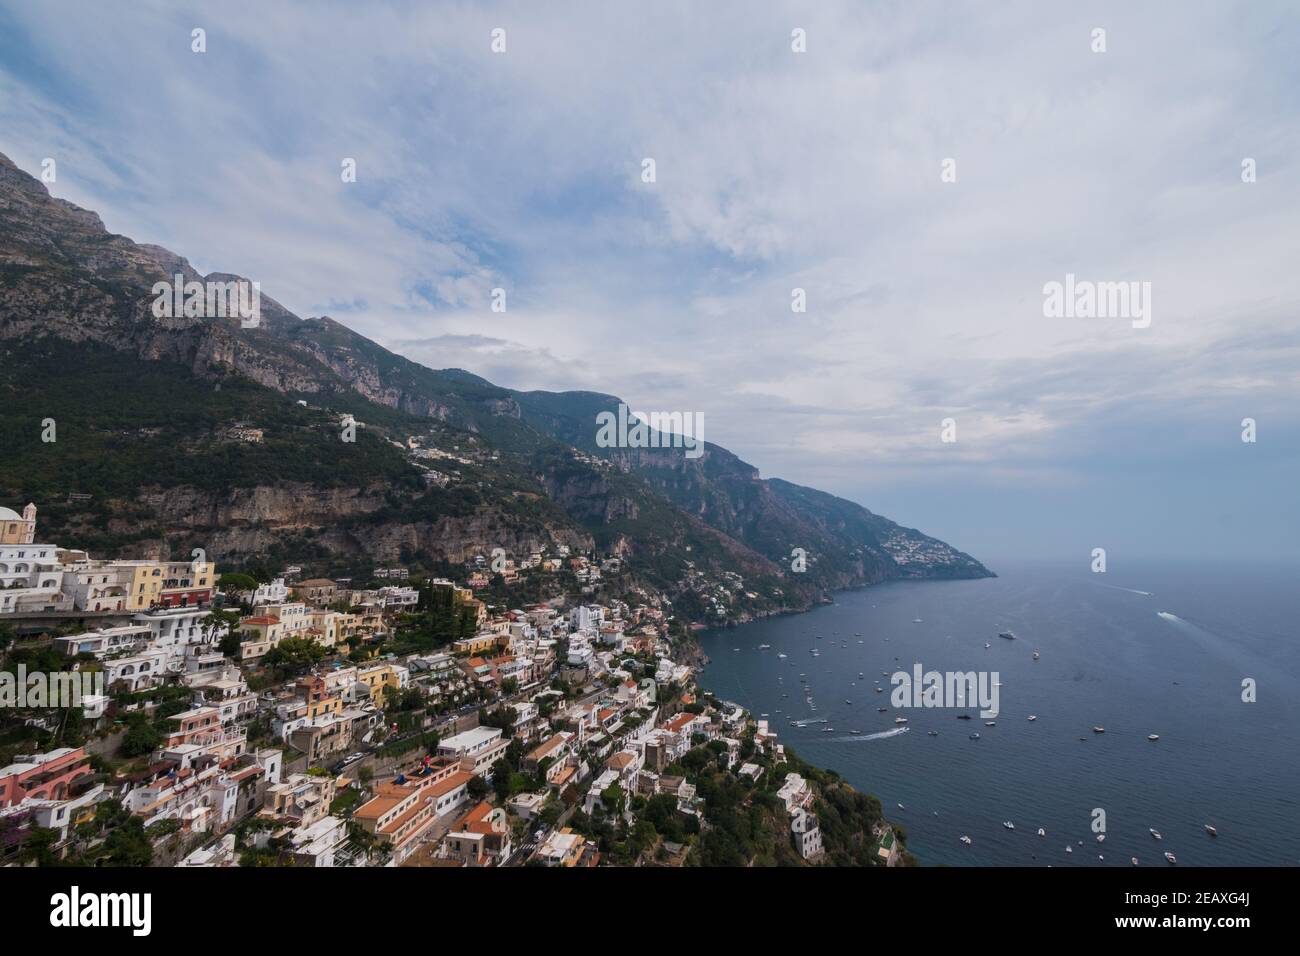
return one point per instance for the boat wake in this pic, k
(809, 721)
(1116, 587)
(1166, 616)
(880, 736)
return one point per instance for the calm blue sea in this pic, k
(1153, 650)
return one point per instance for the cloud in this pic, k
(775, 171)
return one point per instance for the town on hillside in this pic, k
(285, 719)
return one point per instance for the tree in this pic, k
(235, 581)
(478, 788)
(141, 736)
(128, 845)
(230, 643)
(295, 654)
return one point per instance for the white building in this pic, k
(807, 834)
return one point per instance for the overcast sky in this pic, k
(775, 170)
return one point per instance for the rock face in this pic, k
(64, 278)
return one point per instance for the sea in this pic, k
(1170, 649)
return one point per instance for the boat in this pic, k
(855, 731)
(1170, 857)
(1211, 831)
(782, 656)
(990, 723)
(764, 647)
(1032, 717)
(1069, 849)
(1155, 833)
(1099, 730)
(901, 807)
(933, 733)
(847, 701)
(1101, 838)
(1008, 635)
(828, 730)
(900, 720)
(861, 676)
(966, 840)
(1008, 824)
(1035, 655)
(1042, 832)
(1153, 736)
(916, 620)
(880, 690)
(882, 710)
(963, 716)
(987, 645)
(1134, 860)
(974, 736)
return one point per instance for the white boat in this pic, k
(933, 733)
(1069, 849)
(1101, 838)
(782, 656)
(974, 736)
(1008, 824)
(900, 720)
(1135, 860)
(966, 840)
(1035, 655)
(1099, 730)
(1153, 736)
(1211, 831)
(1009, 635)
(855, 731)
(1042, 832)
(987, 645)
(1155, 833)
(764, 647)
(1032, 717)
(1170, 857)
(990, 723)
(901, 807)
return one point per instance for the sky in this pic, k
(824, 170)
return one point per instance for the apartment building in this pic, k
(402, 811)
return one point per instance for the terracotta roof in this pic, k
(545, 748)
(677, 723)
(450, 783)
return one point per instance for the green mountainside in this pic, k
(153, 448)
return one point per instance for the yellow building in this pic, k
(18, 528)
(381, 679)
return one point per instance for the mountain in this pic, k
(184, 431)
